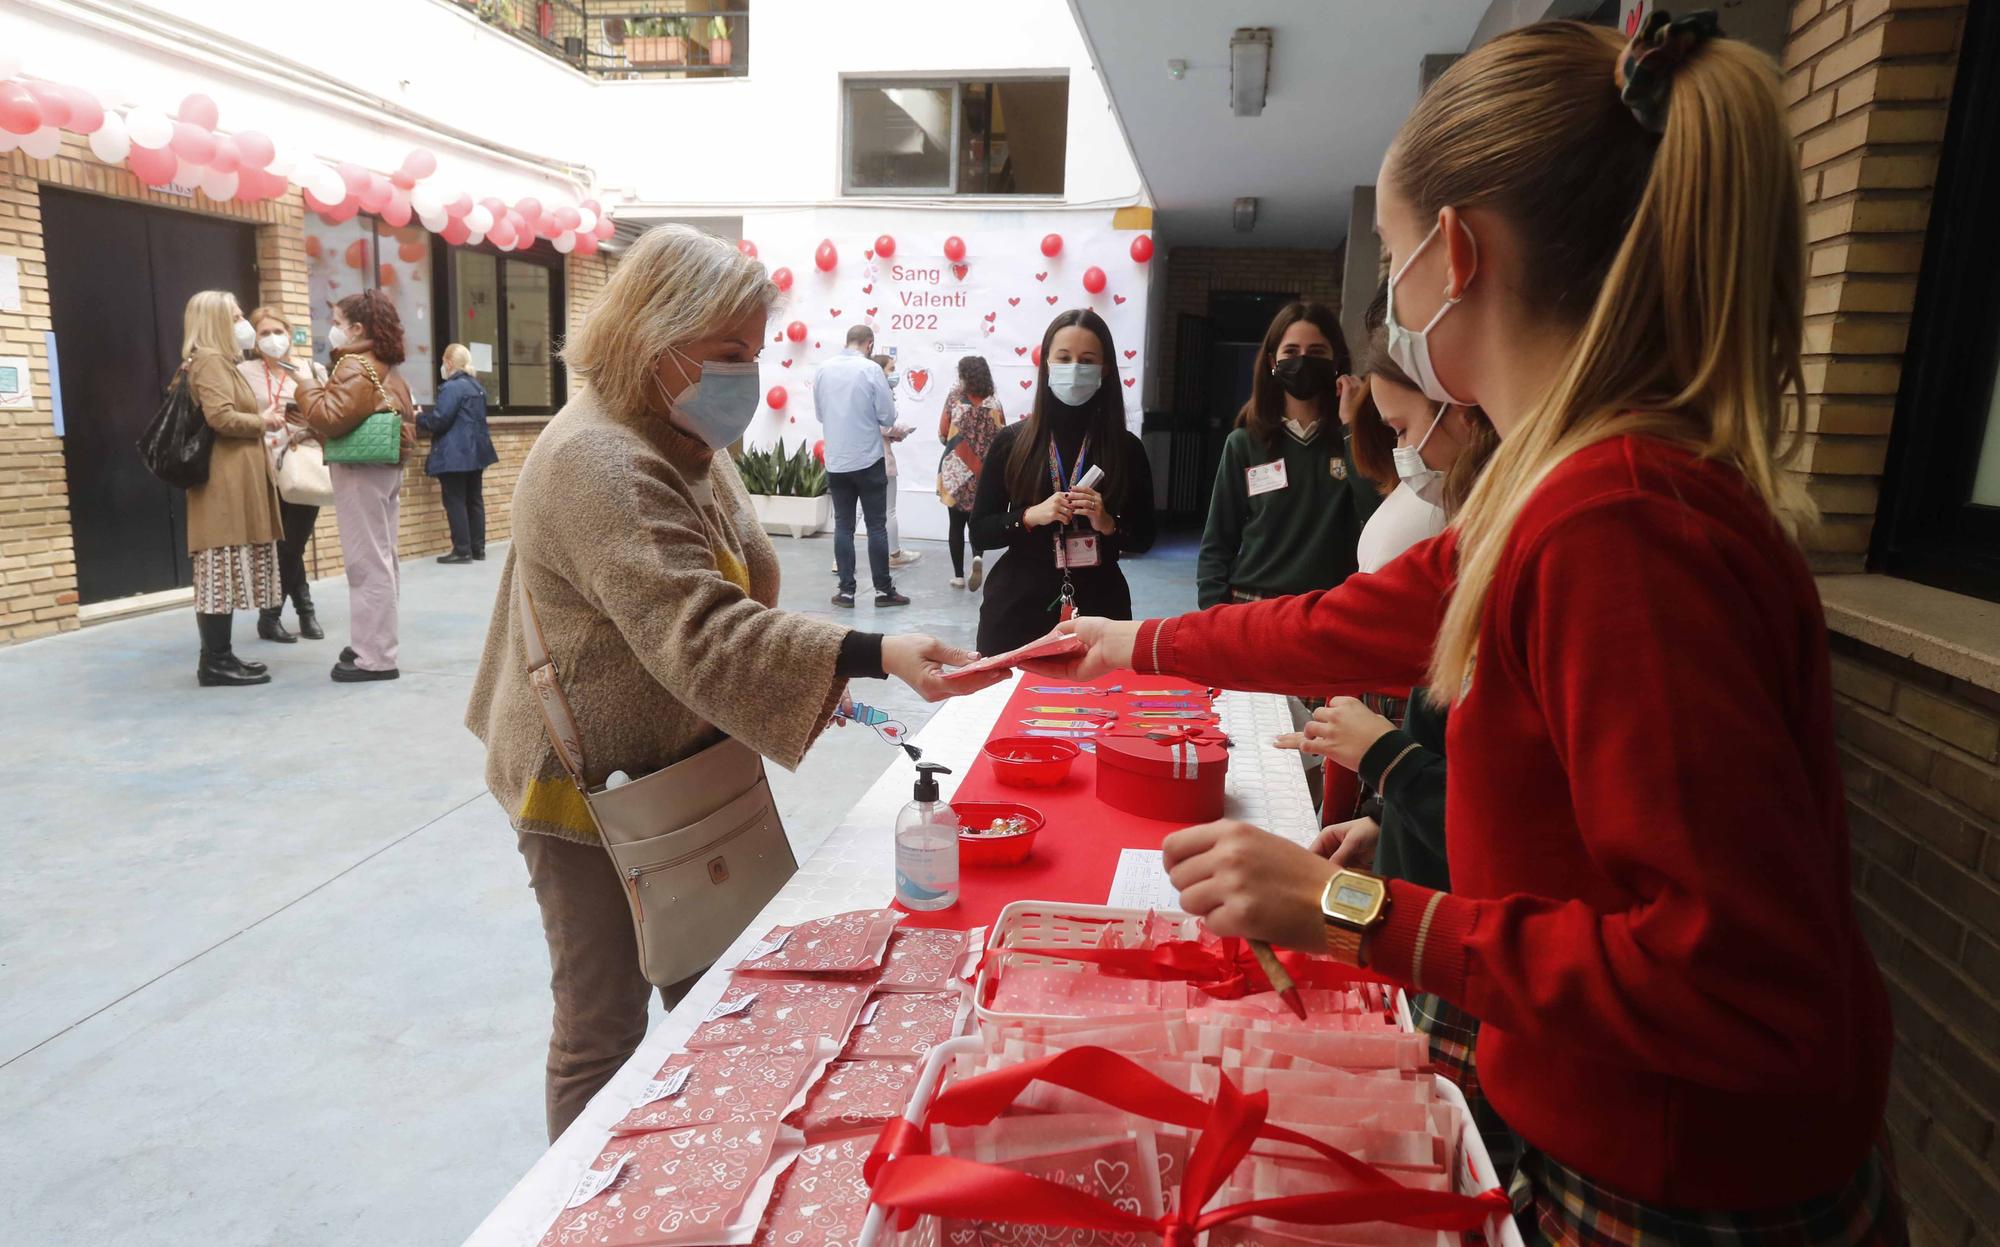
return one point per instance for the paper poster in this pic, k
(482, 356)
(55, 383)
(1141, 882)
(14, 383)
(10, 283)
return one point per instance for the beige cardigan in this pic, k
(655, 588)
(238, 505)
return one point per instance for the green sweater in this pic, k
(1290, 540)
(1412, 843)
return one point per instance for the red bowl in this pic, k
(994, 850)
(1031, 761)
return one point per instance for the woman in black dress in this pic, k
(1061, 537)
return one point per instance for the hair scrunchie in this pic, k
(1645, 71)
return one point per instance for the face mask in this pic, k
(892, 380)
(246, 335)
(336, 338)
(274, 345)
(1411, 348)
(718, 407)
(1419, 477)
(1074, 384)
(1305, 377)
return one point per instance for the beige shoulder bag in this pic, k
(699, 844)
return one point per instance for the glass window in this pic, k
(476, 319)
(1009, 137)
(530, 382)
(1986, 477)
(507, 310)
(360, 253)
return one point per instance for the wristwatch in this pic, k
(1354, 903)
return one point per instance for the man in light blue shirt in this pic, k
(855, 408)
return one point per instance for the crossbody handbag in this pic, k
(379, 438)
(698, 845)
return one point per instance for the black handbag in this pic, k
(176, 445)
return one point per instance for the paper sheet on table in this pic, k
(1141, 882)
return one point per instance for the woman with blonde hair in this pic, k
(233, 523)
(654, 593)
(270, 377)
(461, 451)
(1650, 906)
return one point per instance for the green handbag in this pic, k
(378, 439)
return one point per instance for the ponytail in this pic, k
(1665, 230)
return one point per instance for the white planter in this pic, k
(801, 517)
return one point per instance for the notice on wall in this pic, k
(14, 383)
(10, 283)
(482, 356)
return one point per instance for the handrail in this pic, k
(634, 39)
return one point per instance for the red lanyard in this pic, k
(270, 391)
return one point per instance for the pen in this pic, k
(1281, 982)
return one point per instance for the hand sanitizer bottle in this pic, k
(927, 846)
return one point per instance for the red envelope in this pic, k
(676, 1187)
(840, 944)
(723, 1085)
(1113, 1172)
(1050, 646)
(905, 1024)
(922, 961)
(823, 1200)
(857, 1097)
(779, 1012)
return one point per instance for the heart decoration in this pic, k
(784, 363)
(1020, 350)
(870, 312)
(1041, 276)
(869, 288)
(960, 270)
(779, 336)
(1129, 381)
(1112, 1175)
(919, 378)
(1130, 354)
(1117, 298)
(815, 346)
(834, 312)
(868, 255)
(989, 316)
(1052, 300)
(1026, 384)
(1014, 302)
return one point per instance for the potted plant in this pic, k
(787, 492)
(657, 41)
(721, 49)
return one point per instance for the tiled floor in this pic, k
(269, 969)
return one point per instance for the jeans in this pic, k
(870, 486)
(464, 510)
(959, 519)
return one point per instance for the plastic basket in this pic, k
(1024, 926)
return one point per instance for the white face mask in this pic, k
(336, 338)
(1411, 348)
(718, 407)
(246, 335)
(1417, 476)
(1074, 384)
(274, 345)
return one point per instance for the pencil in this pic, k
(1281, 982)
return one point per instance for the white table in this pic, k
(854, 869)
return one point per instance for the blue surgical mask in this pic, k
(1410, 349)
(719, 406)
(1074, 384)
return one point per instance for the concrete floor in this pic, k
(270, 969)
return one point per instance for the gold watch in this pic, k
(1354, 903)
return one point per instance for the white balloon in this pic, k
(426, 202)
(564, 242)
(587, 221)
(149, 127)
(8, 141)
(479, 220)
(283, 161)
(109, 142)
(221, 187)
(43, 143)
(476, 237)
(434, 221)
(186, 174)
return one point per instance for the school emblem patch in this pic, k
(1337, 468)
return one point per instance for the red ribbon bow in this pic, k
(1172, 734)
(905, 1178)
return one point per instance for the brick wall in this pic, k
(1868, 83)
(1919, 750)
(1193, 273)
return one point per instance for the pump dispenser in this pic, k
(927, 846)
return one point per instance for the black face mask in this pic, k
(1306, 377)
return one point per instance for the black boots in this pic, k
(219, 664)
(271, 625)
(454, 557)
(308, 619)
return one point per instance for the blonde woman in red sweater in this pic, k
(1601, 246)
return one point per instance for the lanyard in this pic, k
(270, 390)
(1065, 603)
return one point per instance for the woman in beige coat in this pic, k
(656, 592)
(232, 520)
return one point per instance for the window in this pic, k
(1000, 137)
(1940, 512)
(506, 309)
(356, 254)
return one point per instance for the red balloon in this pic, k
(1093, 279)
(199, 110)
(530, 209)
(586, 244)
(518, 223)
(152, 165)
(19, 113)
(885, 246)
(401, 180)
(54, 102)
(782, 279)
(460, 204)
(1051, 245)
(357, 253)
(747, 248)
(501, 235)
(954, 248)
(825, 257)
(420, 163)
(567, 218)
(86, 115)
(318, 205)
(192, 143)
(547, 226)
(411, 252)
(341, 212)
(777, 398)
(796, 331)
(819, 450)
(494, 205)
(256, 149)
(250, 185)
(376, 197)
(605, 228)
(456, 232)
(1035, 357)
(227, 158)
(397, 211)
(353, 175)
(385, 275)
(1142, 248)
(313, 247)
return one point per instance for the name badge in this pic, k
(1079, 550)
(1266, 477)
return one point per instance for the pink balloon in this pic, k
(782, 278)
(250, 185)
(547, 226)
(19, 113)
(401, 180)
(459, 205)
(342, 212)
(375, 196)
(86, 115)
(255, 148)
(420, 163)
(605, 229)
(530, 209)
(568, 217)
(746, 247)
(501, 235)
(54, 103)
(496, 206)
(586, 244)
(397, 211)
(227, 158)
(199, 110)
(153, 165)
(455, 231)
(353, 175)
(192, 143)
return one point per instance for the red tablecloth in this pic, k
(1076, 852)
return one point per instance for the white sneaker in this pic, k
(978, 576)
(903, 558)
(958, 582)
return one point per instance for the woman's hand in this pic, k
(1244, 881)
(1054, 509)
(1353, 392)
(1109, 648)
(919, 661)
(1089, 503)
(1341, 731)
(1351, 843)
(274, 419)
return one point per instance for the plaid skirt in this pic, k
(1554, 1204)
(1453, 1033)
(236, 578)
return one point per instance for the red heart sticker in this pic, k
(1013, 303)
(1041, 276)
(815, 346)
(1052, 300)
(1129, 381)
(1117, 298)
(919, 378)
(871, 311)
(989, 316)
(1026, 384)
(869, 288)
(1130, 354)
(960, 270)
(833, 311)
(868, 255)
(784, 363)
(1020, 350)
(779, 336)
